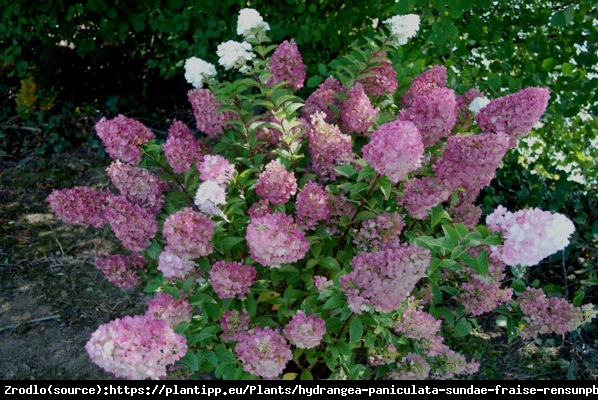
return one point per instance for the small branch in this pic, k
(31, 322)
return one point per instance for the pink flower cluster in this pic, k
(216, 168)
(514, 114)
(132, 224)
(305, 331)
(287, 65)
(275, 239)
(174, 311)
(411, 367)
(263, 352)
(138, 185)
(328, 147)
(395, 149)
(181, 148)
(542, 314)
(205, 109)
(175, 266)
(276, 184)
(380, 79)
(231, 279)
(385, 278)
(324, 99)
(480, 297)
(432, 78)
(137, 347)
(357, 113)
(420, 195)
(189, 232)
(233, 324)
(122, 137)
(529, 235)
(79, 205)
(121, 270)
(379, 233)
(311, 205)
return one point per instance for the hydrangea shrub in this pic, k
(335, 236)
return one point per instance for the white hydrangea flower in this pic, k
(477, 104)
(403, 27)
(209, 196)
(198, 71)
(250, 20)
(235, 55)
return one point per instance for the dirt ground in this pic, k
(52, 297)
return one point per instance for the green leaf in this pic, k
(518, 285)
(329, 262)
(462, 328)
(355, 331)
(451, 235)
(438, 214)
(345, 170)
(190, 360)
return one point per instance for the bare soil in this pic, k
(52, 297)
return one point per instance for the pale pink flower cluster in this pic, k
(383, 279)
(189, 232)
(339, 207)
(170, 309)
(357, 113)
(122, 137)
(216, 168)
(466, 211)
(287, 65)
(322, 283)
(410, 367)
(259, 208)
(480, 297)
(137, 347)
(395, 149)
(434, 113)
(382, 78)
(209, 197)
(138, 185)
(231, 279)
(233, 324)
(324, 99)
(543, 314)
(275, 239)
(132, 224)
(276, 184)
(175, 265)
(79, 205)
(311, 205)
(328, 147)
(121, 270)
(205, 109)
(263, 352)
(514, 114)
(182, 149)
(305, 331)
(529, 235)
(379, 233)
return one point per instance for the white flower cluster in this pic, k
(403, 27)
(249, 22)
(235, 55)
(198, 71)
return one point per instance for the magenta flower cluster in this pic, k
(263, 352)
(122, 137)
(121, 270)
(276, 184)
(79, 205)
(287, 65)
(182, 149)
(231, 279)
(170, 309)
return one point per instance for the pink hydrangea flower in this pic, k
(380, 232)
(231, 279)
(411, 367)
(216, 168)
(121, 270)
(263, 352)
(322, 283)
(138, 347)
(328, 147)
(79, 205)
(529, 235)
(324, 99)
(480, 297)
(174, 265)
(205, 109)
(287, 65)
(122, 137)
(189, 232)
(182, 149)
(275, 239)
(382, 78)
(276, 184)
(234, 323)
(138, 185)
(420, 195)
(357, 113)
(305, 331)
(311, 205)
(433, 77)
(209, 197)
(434, 112)
(395, 149)
(382, 280)
(174, 311)
(466, 116)
(132, 224)
(514, 114)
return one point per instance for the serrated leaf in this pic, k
(345, 170)
(451, 235)
(190, 360)
(355, 331)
